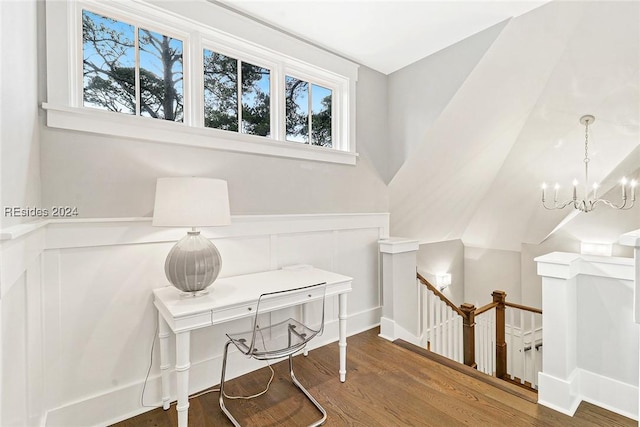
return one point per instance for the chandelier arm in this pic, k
(557, 205)
(622, 206)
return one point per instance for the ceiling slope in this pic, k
(437, 191)
(418, 93)
(598, 73)
(385, 35)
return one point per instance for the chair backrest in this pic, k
(272, 301)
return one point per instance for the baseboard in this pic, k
(610, 394)
(565, 395)
(391, 331)
(559, 394)
(122, 403)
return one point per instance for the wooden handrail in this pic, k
(440, 295)
(486, 307)
(468, 312)
(523, 307)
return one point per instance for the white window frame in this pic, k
(65, 110)
(260, 61)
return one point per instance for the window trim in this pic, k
(65, 110)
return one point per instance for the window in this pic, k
(131, 70)
(205, 86)
(222, 94)
(308, 112)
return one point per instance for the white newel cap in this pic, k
(397, 245)
(563, 265)
(631, 238)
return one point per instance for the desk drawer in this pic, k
(245, 310)
(189, 322)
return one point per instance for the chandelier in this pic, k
(590, 199)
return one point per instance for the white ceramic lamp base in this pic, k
(193, 264)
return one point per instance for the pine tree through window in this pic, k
(223, 95)
(308, 115)
(116, 79)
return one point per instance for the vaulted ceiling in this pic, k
(474, 171)
(385, 35)
(513, 124)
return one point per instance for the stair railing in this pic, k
(524, 360)
(481, 337)
(442, 323)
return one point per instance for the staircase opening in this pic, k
(500, 339)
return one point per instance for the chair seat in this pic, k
(275, 341)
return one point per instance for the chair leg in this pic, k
(221, 399)
(311, 398)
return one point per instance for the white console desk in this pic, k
(232, 298)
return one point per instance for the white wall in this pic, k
(607, 338)
(107, 176)
(81, 321)
(486, 270)
(444, 257)
(419, 92)
(19, 186)
(19, 127)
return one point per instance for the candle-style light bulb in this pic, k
(633, 189)
(544, 189)
(623, 182)
(595, 190)
(575, 189)
(555, 192)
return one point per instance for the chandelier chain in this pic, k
(586, 153)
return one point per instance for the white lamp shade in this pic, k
(191, 202)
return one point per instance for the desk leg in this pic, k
(163, 335)
(342, 343)
(183, 341)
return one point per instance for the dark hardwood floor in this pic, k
(386, 386)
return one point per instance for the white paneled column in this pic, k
(400, 291)
(633, 239)
(590, 338)
(558, 383)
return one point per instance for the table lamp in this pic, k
(194, 262)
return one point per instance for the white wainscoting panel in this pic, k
(78, 303)
(14, 355)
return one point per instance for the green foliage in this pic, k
(109, 80)
(110, 83)
(321, 124)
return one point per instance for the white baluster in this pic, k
(432, 321)
(438, 326)
(524, 358)
(533, 349)
(493, 342)
(445, 326)
(450, 332)
(483, 344)
(456, 338)
(510, 345)
(424, 305)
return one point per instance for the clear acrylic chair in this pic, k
(282, 339)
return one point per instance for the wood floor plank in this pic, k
(386, 386)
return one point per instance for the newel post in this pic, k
(501, 344)
(468, 334)
(400, 291)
